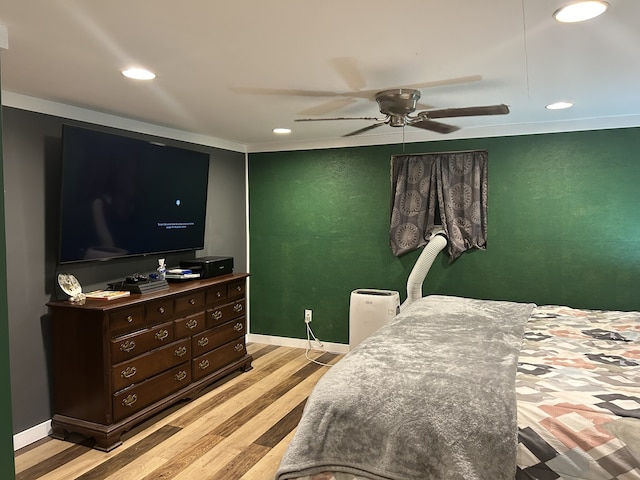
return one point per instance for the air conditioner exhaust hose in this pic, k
(421, 268)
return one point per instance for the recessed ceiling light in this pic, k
(282, 131)
(138, 74)
(559, 105)
(580, 11)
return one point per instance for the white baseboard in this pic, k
(38, 432)
(296, 343)
(31, 435)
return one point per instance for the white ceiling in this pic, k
(232, 71)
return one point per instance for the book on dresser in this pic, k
(117, 364)
(107, 294)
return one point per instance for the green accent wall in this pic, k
(563, 228)
(7, 468)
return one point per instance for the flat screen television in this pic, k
(124, 196)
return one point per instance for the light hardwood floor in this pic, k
(236, 430)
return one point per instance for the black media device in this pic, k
(123, 196)
(209, 267)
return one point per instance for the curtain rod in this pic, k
(440, 153)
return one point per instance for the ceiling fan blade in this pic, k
(446, 81)
(370, 94)
(423, 106)
(468, 111)
(437, 127)
(365, 129)
(284, 92)
(348, 70)
(335, 118)
(328, 107)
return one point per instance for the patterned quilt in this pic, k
(578, 390)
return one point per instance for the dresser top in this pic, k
(175, 288)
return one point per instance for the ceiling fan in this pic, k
(399, 104)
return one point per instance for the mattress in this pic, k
(578, 397)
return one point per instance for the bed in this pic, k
(457, 388)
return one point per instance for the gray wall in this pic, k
(32, 163)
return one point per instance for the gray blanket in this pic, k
(431, 395)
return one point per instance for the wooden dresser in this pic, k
(116, 363)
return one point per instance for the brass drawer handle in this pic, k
(239, 347)
(237, 307)
(238, 326)
(218, 294)
(203, 342)
(217, 315)
(204, 364)
(162, 334)
(239, 288)
(180, 376)
(161, 310)
(192, 301)
(191, 324)
(128, 372)
(129, 318)
(127, 346)
(180, 352)
(130, 400)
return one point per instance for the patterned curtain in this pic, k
(439, 191)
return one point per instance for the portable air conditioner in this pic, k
(370, 309)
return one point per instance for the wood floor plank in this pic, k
(242, 462)
(184, 458)
(268, 465)
(39, 451)
(267, 399)
(246, 414)
(124, 458)
(257, 351)
(56, 461)
(237, 429)
(283, 427)
(137, 470)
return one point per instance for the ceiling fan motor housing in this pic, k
(398, 102)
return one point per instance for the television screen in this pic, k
(123, 196)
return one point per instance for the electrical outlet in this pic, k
(307, 315)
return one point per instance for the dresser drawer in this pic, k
(224, 313)
(217, 294)
(217, 336)
(127, 319)
(187, 326)
(218, 358)
(134, 344)
(236, 288)
(149, 364)
(184, 303)
(158, 311)
(139, 396)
